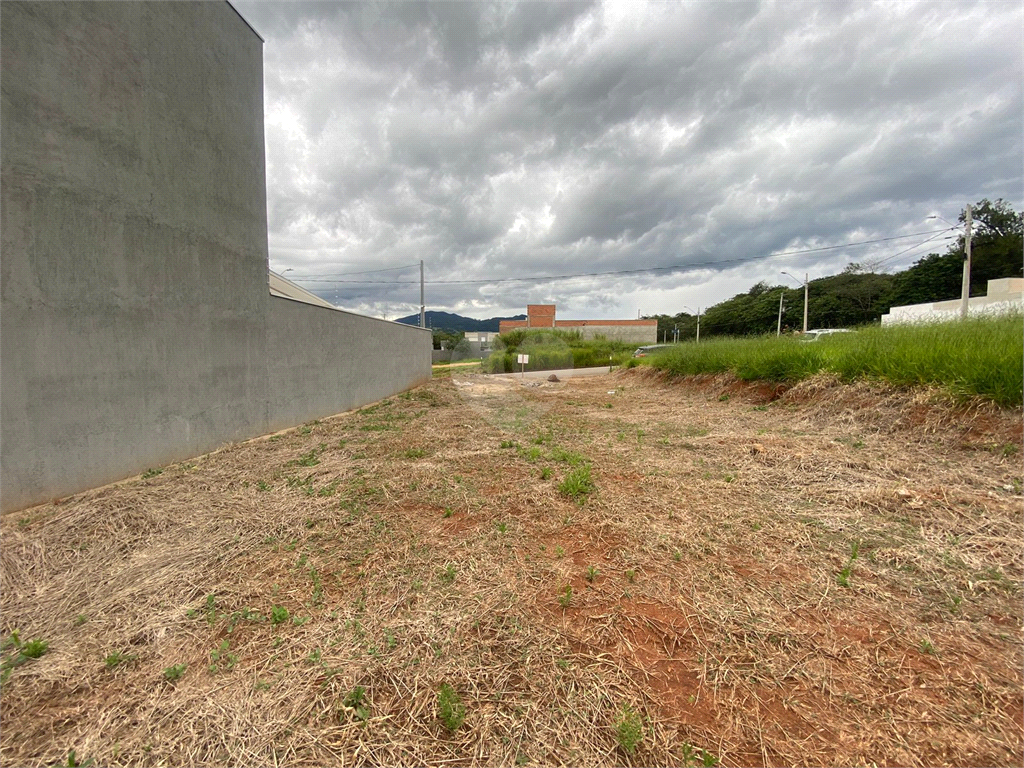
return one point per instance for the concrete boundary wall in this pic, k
(1003, 296)
(324, 361)
(136, 322)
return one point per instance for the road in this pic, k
(564, 373)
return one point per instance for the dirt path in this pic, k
(831, 577)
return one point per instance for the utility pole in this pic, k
(778, 330)
(965, 291)
(807, 279)
(423, 314)
(698, 325)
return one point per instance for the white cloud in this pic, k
(503, 140)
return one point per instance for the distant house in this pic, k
(543, 316)
(1005, 295)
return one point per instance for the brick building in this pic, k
(543, 316)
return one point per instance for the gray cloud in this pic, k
(497, 140)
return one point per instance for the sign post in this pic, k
(523, 360)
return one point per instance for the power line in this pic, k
(310, 278)
(680, 267)
(878, 263)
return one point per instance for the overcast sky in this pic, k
(508, 141)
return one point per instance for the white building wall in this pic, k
(1003, 296)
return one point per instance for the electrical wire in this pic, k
(343, 274)
(676, 267)
(880, 262)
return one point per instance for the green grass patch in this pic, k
(554, 349)
(977, 357)
(578, 484)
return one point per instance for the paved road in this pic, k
(565, 373)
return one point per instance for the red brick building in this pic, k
(543, 316)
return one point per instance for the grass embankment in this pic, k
(980, 357)
(553, 350)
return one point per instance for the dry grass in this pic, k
(411, 550)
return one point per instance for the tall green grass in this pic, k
(978, 357)
(551, 350)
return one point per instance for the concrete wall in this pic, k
(136, 325)
(1003, 296)
(323, 361)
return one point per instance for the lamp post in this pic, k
(778, 330)
(698, 321)
(806, 282)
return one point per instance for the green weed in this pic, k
(565, 596)
(843, 577)
(307, 459)
(447, 576)
(591, 573)
(629, 729)
(355, 701)
(33, 649)
(175, 672)
(278, 614)
(152, 472)
(73, 761)
(577, 484)
(117, 658)
(694, 757)
(450, 709)
(222, 657)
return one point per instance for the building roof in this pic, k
(285, 288)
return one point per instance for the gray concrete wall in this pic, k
(323, 361)
(136, 325)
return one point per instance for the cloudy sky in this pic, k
(498, 142)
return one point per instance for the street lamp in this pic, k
(778, 330)
(698, 321)
(806, 281)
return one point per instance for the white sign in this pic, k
(523, 359)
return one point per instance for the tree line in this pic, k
(858, 296)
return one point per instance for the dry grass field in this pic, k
(604, 571)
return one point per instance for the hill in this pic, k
(449, 321)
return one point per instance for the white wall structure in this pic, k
(1003, 296)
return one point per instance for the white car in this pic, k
(817, 333)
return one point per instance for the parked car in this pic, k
(817, 333)
(645, 351)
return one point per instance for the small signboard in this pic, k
(523, 359)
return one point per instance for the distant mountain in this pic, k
(448, 321)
